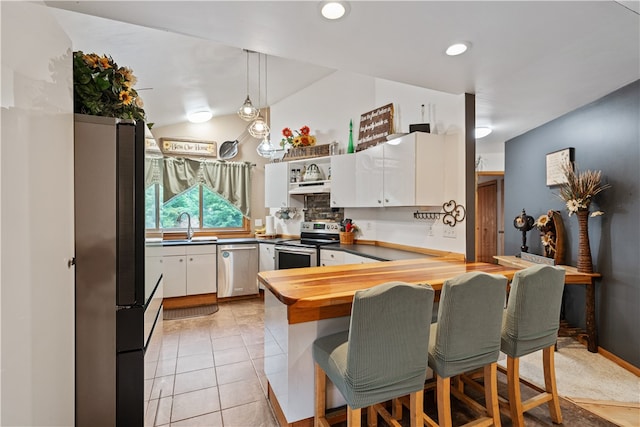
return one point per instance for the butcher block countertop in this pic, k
(317, 293)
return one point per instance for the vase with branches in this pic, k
(578, 191)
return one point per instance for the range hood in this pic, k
(311, 187)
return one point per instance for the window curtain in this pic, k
(152, 171)
(231, 180)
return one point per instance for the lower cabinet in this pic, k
(189, 270)
(329, 257)
(357, 259)
(267, 257)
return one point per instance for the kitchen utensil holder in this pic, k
(346, 238)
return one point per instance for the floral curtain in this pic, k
(231, 180)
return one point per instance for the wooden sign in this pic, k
(188, 147)
(375, 125)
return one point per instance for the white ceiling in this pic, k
(529, 61)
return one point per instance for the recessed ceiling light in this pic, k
(481, 132)
(333, 10)
(457, 49)
(200, 116)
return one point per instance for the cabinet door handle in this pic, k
(379, 201)
(386, 200)
(190, 259)
(181, 259)
(160, 261)
(334, 202)
(331, 255)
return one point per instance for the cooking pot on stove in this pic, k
(312, 173)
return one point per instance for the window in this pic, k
(208, 210)
(216, 195)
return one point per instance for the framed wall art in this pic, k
(555, 160)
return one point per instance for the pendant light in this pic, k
(265, 148)
(259, 127)
(247, 111)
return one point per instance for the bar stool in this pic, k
(380, 357)
(467, 337)
(531, 323)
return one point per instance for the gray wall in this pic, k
(606, 136)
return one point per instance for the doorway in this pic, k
(489, 216)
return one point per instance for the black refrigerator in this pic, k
(116, 287)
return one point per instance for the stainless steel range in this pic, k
(305, 252)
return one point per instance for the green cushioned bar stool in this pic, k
(467, 337)
(530, 324)
(382, 356)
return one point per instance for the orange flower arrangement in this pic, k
(303, 139)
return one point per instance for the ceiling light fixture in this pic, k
(259, 127)
(457, 49)
(247, 111)
(481, 132)
(200, 116)
(333, 10)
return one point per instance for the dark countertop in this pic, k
(379, 253)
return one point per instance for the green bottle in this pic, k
(350, 147)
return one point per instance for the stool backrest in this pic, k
(389, 336)
(469, 323)
(532, 317)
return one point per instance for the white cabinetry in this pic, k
(350, 258)
(406, 171)
(343, 181)
(267, 257)
(328, 257)
(369, 176)
(189, 270)
(276, 185)
(331, 257)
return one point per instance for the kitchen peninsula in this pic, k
(305, 303)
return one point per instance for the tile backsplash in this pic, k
(317, 208)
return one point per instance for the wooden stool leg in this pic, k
(513, 384)
(320, 397)
(396, 409)
(443, 390)
(491, 392)
(353, 417)
(416, 401)
(548, 363)
(372, 417)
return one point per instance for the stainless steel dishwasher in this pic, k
(237, 269)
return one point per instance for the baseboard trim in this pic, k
(620, 362)
(189, 301)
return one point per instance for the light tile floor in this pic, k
(210, 370)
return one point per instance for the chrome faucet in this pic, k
(189, 229)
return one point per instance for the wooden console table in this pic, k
(572, 277)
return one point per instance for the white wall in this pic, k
(36, 239)
(328, 105)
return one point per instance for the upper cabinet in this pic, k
(276, 185)
(343, 177)
(407, 171)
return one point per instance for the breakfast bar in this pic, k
(306, 303)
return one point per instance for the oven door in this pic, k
(295, 257)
